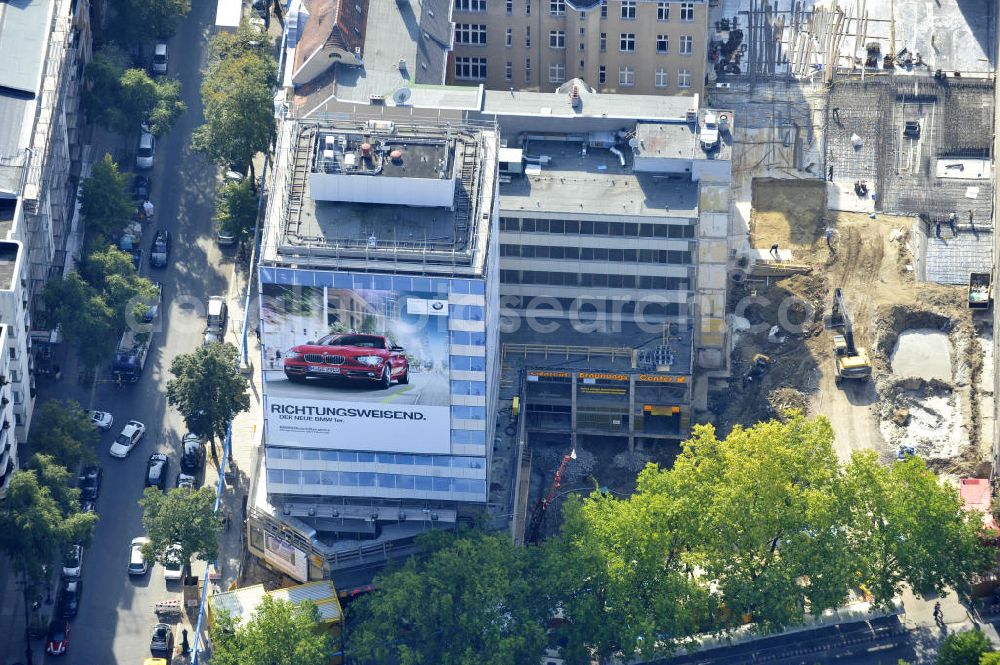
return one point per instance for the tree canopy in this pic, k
(208, 389)
(965, 648)
(182, 515)
(470, 602)
(105, 202)
(143, 20)
(765, 526)
(63, 430)
(236, 209)
(121, 98)
(279, 633)
(88, 323)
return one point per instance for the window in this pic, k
(557, 73)
(557, 7)
(527, 36)
(687, 11)
(470, 33)
(602, 74)
(604, 41)
(508, 72)
(662, 41)
(527, 7)
(527, 70)
(470, 5)
(626, 42)
(628, 10)
(660, 80)
(604, 8)
(626, 76)
(510, 7)
(510, 37)
(473, 69)
(583, 33)
(557, 39)
(582, 46)
(687, 44)
(684, 78)
(662, 11)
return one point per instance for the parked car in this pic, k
(215, 324)
(154, 307)
(172, 564)
(57, 639)
(147, 151)
(69, 597)
(87, 506)
(136, 561)
(73, 561)
(90, 483)
(162, 640)
(130, 435)
(140, 188)
(156, 470)
(102, 420)
(353, 357)
(159, 254)
(193, 455)
(185, 480)
(160, 58)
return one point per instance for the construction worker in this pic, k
(829, 238)
(774, 251)
(937, 228)
(953, 223)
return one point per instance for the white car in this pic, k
(136, 561)
(131, 435)
(73, 561)
(160, 58)
(172, 563)
(102, 420)
(147, 151)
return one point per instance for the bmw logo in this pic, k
(437, 305)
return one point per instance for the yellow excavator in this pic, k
(849, 360)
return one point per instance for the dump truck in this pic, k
(849, 360)
(130, 357)
(980, 290)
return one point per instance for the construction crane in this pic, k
(538, 512)
(849, 360)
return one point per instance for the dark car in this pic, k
(90, 483)
(140, 188)
(162, 640)
(69, 597)
(57, 639)
(353, 357)
(156, 470)
(159, 254)
(154, 306)
(193, 453)
(87, 506)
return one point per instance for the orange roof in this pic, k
(977, 495)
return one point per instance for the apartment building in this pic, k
(645, 47)
(379, 287)
(44, 45)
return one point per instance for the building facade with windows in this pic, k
(624, 46)
(379, 285)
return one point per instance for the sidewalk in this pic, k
(927, 633)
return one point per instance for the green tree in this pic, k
(279, 633)
(111, 272)
(238, 98)
(34, 527)
(105, 202)
(208, 389)
(63, 430)
(992, 658)
(181, 516)
(102, 85)
(88, 323)
(145, 20)
(236, 209)
(965, 648)
(142, 98)
(904, 526)
(470, 601)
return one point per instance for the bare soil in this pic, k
(788, 213)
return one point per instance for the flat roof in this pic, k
(8, 264)
(376, 232)
(595, 184)
(682, 140)
(24, 28)
(241, 604)
(592, 104)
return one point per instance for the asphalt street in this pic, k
(116, 614)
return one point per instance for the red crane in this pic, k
(538, 513)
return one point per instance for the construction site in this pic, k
(863, 164)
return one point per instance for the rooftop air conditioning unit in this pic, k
(692, 115)
(377, 100)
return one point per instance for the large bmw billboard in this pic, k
(358, 367)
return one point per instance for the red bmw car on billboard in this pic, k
(352, 357)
